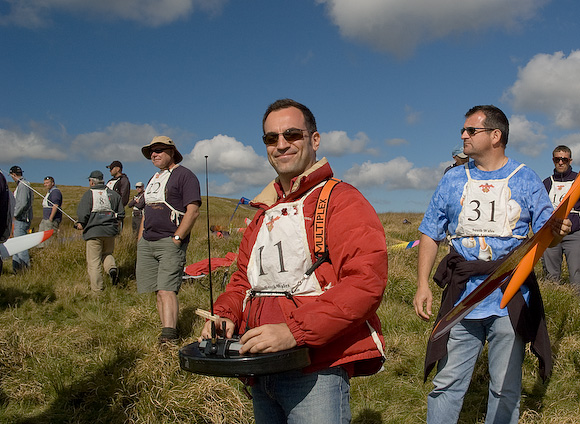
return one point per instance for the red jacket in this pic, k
(334, 324)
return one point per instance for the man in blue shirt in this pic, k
(486, 206)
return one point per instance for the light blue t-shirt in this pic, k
(529, 204)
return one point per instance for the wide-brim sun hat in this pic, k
(161, 139)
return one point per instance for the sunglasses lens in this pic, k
(292, 134)
(270, 138)
(470, 131)
(564, 160)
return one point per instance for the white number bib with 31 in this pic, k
(487, 208)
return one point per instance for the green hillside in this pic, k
(68, 356)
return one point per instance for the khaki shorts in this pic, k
(159, 265)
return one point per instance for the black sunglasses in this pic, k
(160, 149)
(557, 159)
(471, 131)
(290, 135)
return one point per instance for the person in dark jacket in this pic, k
(99, 213)
(137, 204)
(119, 181)
(5, 213)
(558, 185)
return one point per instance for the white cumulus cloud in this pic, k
(549, 84)
(16, 146)
(526, 136)
(240, 164)
(121, 141)
(573, 142)
(396, 174)
(37, 13)
(338, 143)
(399, 26)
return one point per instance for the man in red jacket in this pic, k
(332, 311)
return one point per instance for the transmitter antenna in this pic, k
(213, 330)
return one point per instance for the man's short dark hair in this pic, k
(562, 148)
(49, 178)
(286, 103)
(494, 118)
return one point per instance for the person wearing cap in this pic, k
(120, 182)
(137, 203)
(98, 215)
(459, 157)
(51, 204)
(557, 186)
(22, 216)
(172, 201)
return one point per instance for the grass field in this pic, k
(67, 356)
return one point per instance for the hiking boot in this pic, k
(114, 276)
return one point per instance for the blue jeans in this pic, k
(22, 259)
(294, 397)
(505, 357)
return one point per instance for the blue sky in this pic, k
(85, 82)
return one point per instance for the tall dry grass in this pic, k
(68, 356)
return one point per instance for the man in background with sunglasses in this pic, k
(487, 206)
(558, 185)
(277, 304)
(172, 201)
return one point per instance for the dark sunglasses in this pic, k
(290, 135)
(471, 131)
(160, 149)
(556, 159)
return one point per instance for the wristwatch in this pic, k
(176, 237)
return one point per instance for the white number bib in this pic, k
(558, 191)
(487, 208)
(281, 256)
(45, 203)
(155, 191)
(101, 202)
